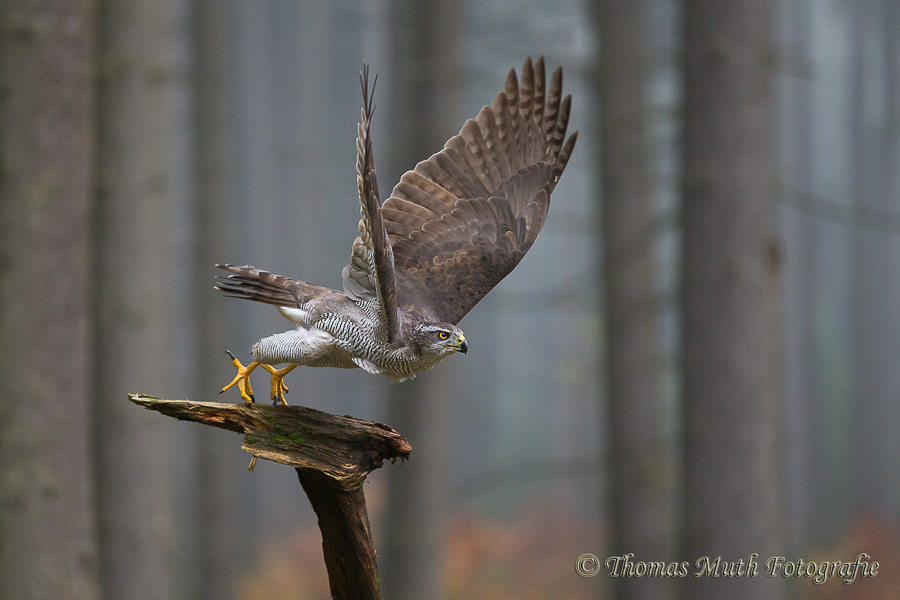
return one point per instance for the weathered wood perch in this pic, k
(332, 456)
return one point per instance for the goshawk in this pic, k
(452, 229)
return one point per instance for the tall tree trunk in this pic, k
(219, 548)
(890, 164)
(47, 524)
(801, 397)
(425, 64)
(733, 495)
(134, 479)
(642, 469)
(875, 333)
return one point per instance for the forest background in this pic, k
(697, 358)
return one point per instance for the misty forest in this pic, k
(693, 371)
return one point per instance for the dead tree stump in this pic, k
(332, 456)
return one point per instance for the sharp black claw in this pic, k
(220, 391)
(233, 357)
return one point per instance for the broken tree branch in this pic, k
(332, 456)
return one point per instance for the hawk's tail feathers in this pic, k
(255, 284)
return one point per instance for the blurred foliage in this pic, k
(292, 569)
(881, 541)
(530, 557)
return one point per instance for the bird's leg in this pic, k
(278, 385)
(242, 379)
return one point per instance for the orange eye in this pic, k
(443, 335)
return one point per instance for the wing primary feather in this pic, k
(502, 128)
(562, 123)
(487, 122)
(513, 114)
(564, 155)
(532, 149)
(539, 90)
(526, 97)
(553, 101)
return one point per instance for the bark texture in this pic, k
(642, 470)
(219, 551)
(47, 525)
(135, 496)
(733, 496)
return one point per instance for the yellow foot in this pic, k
(242, 379)
(278, 386)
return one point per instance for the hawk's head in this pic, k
(439, 339)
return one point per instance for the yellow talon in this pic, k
(242, 379)
(278, 385)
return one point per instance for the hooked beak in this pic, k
(463, 345)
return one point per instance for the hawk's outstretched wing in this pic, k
(370, 274)
(464, 218)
